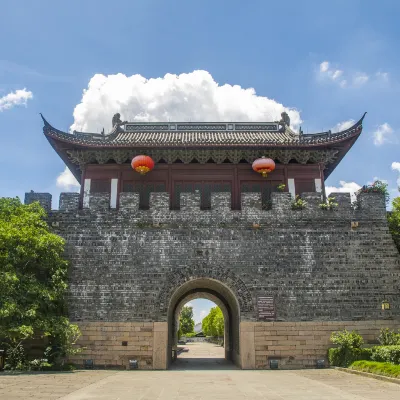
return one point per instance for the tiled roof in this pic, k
(164, 135)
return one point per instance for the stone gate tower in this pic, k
(204, 224)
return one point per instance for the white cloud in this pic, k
(324, 66)
(345, 187)
(360, 78)
(203, 314)
(396, 167)
(193, 96)
(382, 75)
(67, 181)
(189, 304)
(17, 98)
(331, 73)
(342, 126)
(337, 74)
(376, 178)
(382, 134)
(348, 79)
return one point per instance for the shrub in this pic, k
(388, 338)
(298, 203)
(348, 350)
(329, 205)
(39, 364)
(343, 357)
(281, 187)
(390, 354)
(346, 339)
(15, 357)
(377, 187)
(379, 368)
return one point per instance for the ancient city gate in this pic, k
(202, 222)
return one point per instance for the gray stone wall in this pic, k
(43, 198)
(319, 265)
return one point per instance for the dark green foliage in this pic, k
(379, 368)
(388, 337)
(186, 321)
(349, 348)
(33, 277)
(343, 357)
(390, 354)
(394, 221)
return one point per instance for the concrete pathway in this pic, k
(197, 385)
(198, 374)
(202, 356)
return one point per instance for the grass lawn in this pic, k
(379, 368)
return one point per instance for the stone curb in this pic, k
(369, 375)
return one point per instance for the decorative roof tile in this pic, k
(188, 134)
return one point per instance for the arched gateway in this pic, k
(204, 223)
(224, 289)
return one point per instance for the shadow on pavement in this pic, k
(201, 364)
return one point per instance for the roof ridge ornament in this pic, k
(117, 122)
(285, 121)
(45, 121)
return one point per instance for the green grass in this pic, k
(379, 368)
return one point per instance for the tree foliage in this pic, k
(33, 277)
(213, 323)
(376, 187)
(394, 221)
(186, 321)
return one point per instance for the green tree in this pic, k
(186, 321)
(213, 323)
(394, 221)
(33, 277)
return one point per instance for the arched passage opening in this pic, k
(222, 296)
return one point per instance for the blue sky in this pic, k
(328, 61)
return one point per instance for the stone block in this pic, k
(99, 201)
(251, 202)
(221, 202)
(44, 199)
(372, 204)
(313, 199)
(190, 202)
(343, 200)
(281, 202)
(128, 201)
(69, 201)
(159, 202)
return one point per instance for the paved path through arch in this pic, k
(197, 385)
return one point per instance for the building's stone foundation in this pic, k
(293, 344)
(301, 344)
(113, 344)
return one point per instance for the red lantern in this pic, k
(263, 166)
(142, 164)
